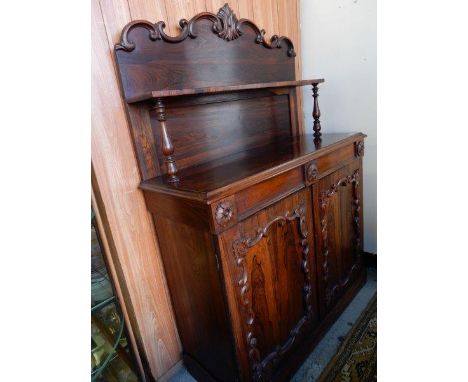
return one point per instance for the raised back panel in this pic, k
(211, 50)
(201, 133)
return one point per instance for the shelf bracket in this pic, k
(316, 113)
(166, 143)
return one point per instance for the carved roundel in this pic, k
(360, 149)
(224, 212)
(311, 172)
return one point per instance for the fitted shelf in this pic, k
(219, 89)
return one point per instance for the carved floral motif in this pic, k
(360, 149)
(262, 370)
(311, 172)
(224, 212)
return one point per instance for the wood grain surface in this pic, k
(115, 166)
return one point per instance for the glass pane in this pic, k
(111, 356)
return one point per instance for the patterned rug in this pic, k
(356, 360)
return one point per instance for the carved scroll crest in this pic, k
(225, 25)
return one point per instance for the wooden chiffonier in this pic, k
(260, 227)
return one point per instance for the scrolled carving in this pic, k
(156, 32)
(275, 41)
(324, 202)
(262, 370)
(359, 149)
(224, 212)
(225, 25)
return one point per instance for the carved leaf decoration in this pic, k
(228, 29)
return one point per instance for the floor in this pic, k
(327, 347)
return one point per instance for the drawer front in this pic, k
(232, 209)
(235, 208)
(269, 269)
(326, 164)
(259, 196)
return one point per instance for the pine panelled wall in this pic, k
(124, 220)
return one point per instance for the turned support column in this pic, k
(166, 143)
(316, 113)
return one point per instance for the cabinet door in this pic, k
(270, 278)
(338, 224)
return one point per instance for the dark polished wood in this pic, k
(220, 89)
(216, 178)
(199, 57)
(167, 146)
(270, 256)
(188, 254)
(370, 259)
(246, 83)
(203, 133)
(316, 112)
(260, 228)
(339, 218)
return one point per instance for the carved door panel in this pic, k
(271, 278)
(338, 222)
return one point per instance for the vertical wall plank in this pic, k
(151, 10)
(245, 9)
(300, 94)
(181, 9)
(117, 178)
(116, 171)
(265, 15)
(213, 6)
(289, 25)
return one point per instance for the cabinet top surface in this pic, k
(212, 180)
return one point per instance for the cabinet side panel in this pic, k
(197, 296)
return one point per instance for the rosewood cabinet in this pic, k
(261, 271)
(259, 226)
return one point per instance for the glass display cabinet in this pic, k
(112, 359)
